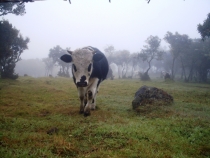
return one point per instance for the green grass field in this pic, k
(39, 117)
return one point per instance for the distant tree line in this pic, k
(187, 59)
(30, 67)
(54, 60)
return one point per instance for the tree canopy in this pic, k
(12, 8)
(25, 1)
(178, 44)
(55, 54)
(12, 45)
(204, 29)
(149, 52)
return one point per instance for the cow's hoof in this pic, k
(93, 107)
(81, 112)
(86, 114)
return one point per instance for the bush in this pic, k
(9, 72)
(144, 76)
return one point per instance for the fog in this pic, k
(124, 24)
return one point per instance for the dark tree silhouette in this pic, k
(12, 8)
(55, 54)
(178, 45)
(151, 51)
(204, 29)
(25, 1)
(12, 45)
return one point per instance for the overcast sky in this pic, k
(125, 24)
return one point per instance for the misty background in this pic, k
(122, 25)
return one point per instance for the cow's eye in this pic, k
(74, 67)
(89, 67)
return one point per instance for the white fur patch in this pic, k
(82, 58)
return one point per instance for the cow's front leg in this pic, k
(90, 99)
(89, 102)
(81, 92)
(90, 93)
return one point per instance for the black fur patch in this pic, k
(89, 67)
(83, 78)
(74, 67)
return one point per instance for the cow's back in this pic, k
(100, 68)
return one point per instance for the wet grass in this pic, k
(40, 118)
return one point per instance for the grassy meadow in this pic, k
(39, 117)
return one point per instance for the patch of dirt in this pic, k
(67, 110)
(205, 151)
(52, 131)
(64, 151)
(44, 113)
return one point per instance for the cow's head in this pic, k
(82, 64)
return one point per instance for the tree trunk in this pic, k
(172, 68)
(203, 75)
(123, 68)
(183, 70)
(149, 62)
(191, 72)
(118, 71)
(132, 70)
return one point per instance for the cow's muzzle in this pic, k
(82, 84)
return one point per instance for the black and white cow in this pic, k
(89, 69)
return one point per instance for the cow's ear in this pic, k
(97, 57)
(66, 58)
(70, 52)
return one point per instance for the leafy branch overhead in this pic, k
(26, 1)
(12, 8)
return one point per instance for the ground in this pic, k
(39, 117)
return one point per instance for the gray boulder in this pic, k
(151, 95)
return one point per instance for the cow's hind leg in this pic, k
(93, 105)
